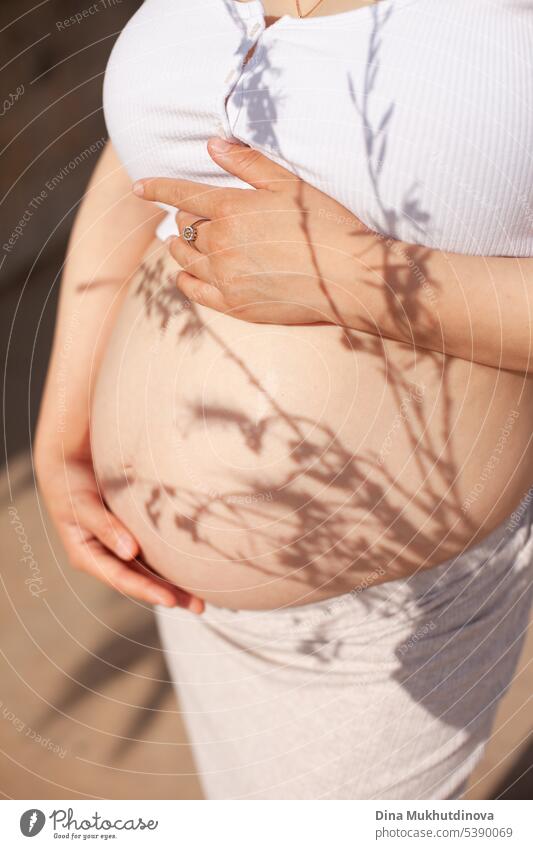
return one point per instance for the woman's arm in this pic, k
(287, 253)
(110, 235)
(473, 307)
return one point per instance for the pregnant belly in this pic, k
(260, 465)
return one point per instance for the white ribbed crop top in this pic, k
(416, 115)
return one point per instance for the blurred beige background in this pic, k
(86, 710)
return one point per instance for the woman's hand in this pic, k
(289, 254)
(96, 542)
(278, 254)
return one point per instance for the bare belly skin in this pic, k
(262, 465)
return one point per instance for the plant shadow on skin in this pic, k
(356, 487)
(314, 525)
(316, 456)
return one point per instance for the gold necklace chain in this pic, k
(310, 12)
(299, 9)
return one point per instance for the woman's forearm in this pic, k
(473, 307)
(108, 240)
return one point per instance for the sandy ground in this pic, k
(86, 708)
(82, 668)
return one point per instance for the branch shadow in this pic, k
(326, 488)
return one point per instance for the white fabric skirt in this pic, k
(387, 693)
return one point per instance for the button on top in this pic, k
(254, 29)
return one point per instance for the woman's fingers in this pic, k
(200, 199)
(200, 245)
(200, 292)
(100, 543)
(180, 596)
(250, 165)
(133, 579)
(92, 557)
(196, 280)
(104, 525)
(190, 259)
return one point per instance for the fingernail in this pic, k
(126, 547)
(138, 188)
(196, 605)
(220, 145)
(164, 599)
